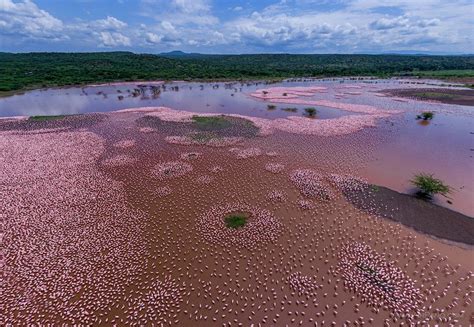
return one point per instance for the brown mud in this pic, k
(463, 97)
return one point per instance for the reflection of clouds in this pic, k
(73, 100)
(44, 104)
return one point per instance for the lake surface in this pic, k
(442, 147)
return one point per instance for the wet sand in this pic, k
(419, 214)
(463, 97)
(108, 221)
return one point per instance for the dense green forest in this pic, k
(32, 70)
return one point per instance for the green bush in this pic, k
(311, 111)
(236, 220)
(428, 185)
(271, 107)
(426, 115)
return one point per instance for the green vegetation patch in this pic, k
(428, 185)
(236, 220)
(23, 71)
(311, 111)
(427, 115)
(211, 123)
(46, 118)
(434, 95)
(290, 109)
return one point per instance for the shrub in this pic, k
(271, 107)
(46, 118)
(211, 123)
(429, 185)
(236, 220)
(311, 111)
(426, 115)
(290, 109)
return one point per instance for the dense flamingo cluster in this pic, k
(157, 304)
(213, 142)
(70, 243)
(125, 144)
(303, 285)
(190, 155)
(261, 227)
(171, 169)
(275, 168)
(277, 196)
(310, 184)
(246, 153)
(119, 160)
(379, 282)
(348, 183)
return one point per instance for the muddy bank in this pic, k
(448, 96)
(416, 213)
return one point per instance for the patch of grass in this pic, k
(374, 188)
(211, 123)
(46, 118)
(271, 107)
(290, 109)
(429, 185)
(426, 115)
(434, 95)
(236, 220)
(311, 111)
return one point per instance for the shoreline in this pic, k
(420, 215)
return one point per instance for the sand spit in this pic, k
(292, 124)
(292, 95)
(415, 213)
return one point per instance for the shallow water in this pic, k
(93, 237)
(443, 147)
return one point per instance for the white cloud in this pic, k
(26, 19)
(113, 39)
(109, 23)
(191, 6)
(153, 38)
(180, 12)
(282, 26)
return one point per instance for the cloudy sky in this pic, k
(230, 26)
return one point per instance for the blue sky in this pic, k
(206, 26)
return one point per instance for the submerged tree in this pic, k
(311, 111)
(426, 115)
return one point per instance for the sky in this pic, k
(230, 26)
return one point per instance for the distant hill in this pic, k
(181, 54)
